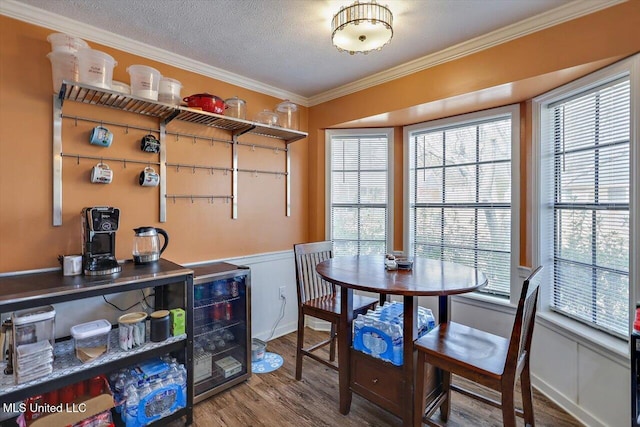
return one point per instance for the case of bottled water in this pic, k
(379, 332)
(149, 391)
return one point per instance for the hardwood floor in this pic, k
(276, 399)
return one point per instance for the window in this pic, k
(462, 193)
(585, 181)
(359, 190)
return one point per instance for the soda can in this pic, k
(233, 288)
(228, 311)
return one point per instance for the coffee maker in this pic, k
(99, 226)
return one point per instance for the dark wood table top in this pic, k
(428, 276)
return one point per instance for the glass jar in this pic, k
(267, 117)
(237, 108)
(287, 114)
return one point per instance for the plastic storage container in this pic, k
(96, 68)
(287, 114)
(33, 338)
(91, 339)
(145, 81)
(64, 66)
(169, 91)
(61, 42)
(120, 87)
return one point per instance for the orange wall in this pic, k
(603, 36)
(198, 231)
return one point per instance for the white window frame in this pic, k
(540, 225)
(388, 132)
(514, 112)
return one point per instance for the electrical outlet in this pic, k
(281, 293)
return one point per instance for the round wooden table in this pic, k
(385, 384)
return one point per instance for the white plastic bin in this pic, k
(64, 66)
(95, 68)
(91, 339)
(145, 81)
(61, 42)
(169, 91)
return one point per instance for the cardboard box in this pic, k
(178, 321)
(71, 413)
(66, 414)
(228, 366)
(202, 368)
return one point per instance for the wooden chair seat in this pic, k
(489, 360)
(318, 298)
(462, 348)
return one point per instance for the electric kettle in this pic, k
(146, 244)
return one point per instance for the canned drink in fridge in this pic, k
(233, 288)
(228, 311)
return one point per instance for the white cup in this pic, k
(149, 177)
(101, 174)
(71, 265)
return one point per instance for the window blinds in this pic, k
(359, 194)
(589, 134)
(460, 192)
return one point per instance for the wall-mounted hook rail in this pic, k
(103, 122)
(258, 171)
(110, 159)
(192, 197)
(194, 138)
(266, 147)
(194, 167)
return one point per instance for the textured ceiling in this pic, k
(287, 43)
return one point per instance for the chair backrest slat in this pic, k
(310, 284)
(524, 322)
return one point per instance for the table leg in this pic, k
(443, 309)
(344, 348)
(410, 334)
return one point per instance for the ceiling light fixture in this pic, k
(362, 27)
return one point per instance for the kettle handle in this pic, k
(166, 239)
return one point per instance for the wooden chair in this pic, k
(318, 298)
(490, 360)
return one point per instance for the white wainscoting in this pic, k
(588, 380)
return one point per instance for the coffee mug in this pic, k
(71, 265)
(101, 136)
(150, 144)
(149, 177)
(101, 174)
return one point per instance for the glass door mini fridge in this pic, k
(221, 327)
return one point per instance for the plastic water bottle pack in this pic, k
(149, 391)
(379, 332)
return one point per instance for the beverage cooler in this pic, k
(221, 327)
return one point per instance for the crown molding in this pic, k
(556, 16)
(567, 12)
(43, 18)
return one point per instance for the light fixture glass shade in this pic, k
(362, 27)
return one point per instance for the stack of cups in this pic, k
(64, 58)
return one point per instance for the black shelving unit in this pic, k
(32, 290)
